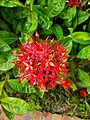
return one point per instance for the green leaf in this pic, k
(68, 45)
(7, 14)
(84, 53)
(45, 21)
(41, 2)
(15, 105)
(9, 115)
(84, 77)
(17, 26)
(72, 68)
(6, 60)
(31, 3)
(8, 37)
(84, 1)
(4, 25)
(1, 86)
(57, 30)
(4, 94)
(4, 47)
(73, 86)
(54, 7)
(68, 13)
(19, 87)
(41, 94)
(30, 24)
(87, 106)
(88, 90)
(21, 13)
(9, 3)
(81, 37)
(82, 16)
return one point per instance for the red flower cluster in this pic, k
(77, 3)
(83, 93)
(42, 64)
(66, 84)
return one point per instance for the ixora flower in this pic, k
(77, 3)
(83, 93)
(66, 84)
(42, 64)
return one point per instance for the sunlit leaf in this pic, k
(15, 105)
(55, 7)
(84, 53)
(82, 16)
(9, 3)
(19, 87)
(6, 60)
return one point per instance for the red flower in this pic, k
(77, 3)
(83, 93)
(42, 63)
(66, 84)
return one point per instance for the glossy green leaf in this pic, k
(84, 53)
(4, 25)
(68, 45)
(4, 94)
(1, 86)
(4, 47)
(57, 30)
(8, 37)
(84, 77)
(30, 24)
(9, 115)
(6, 60)
(84, 1)
(10, 3)
(81, 37)
(15, 105)
(68, 13)
(82, 16)
(55, 7)
(88, 90)
(19, 87)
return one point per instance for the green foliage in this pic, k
(19, 19)
(82, 16)
(1, 87)
(81, 37)
(20, 87)
(85, 80)
(57, 30)
(6, 60)
(9, 3)
(9, 114)
(8, 37)
(15, 105)
(84, 53)
(4, 47)
(54, 7)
